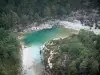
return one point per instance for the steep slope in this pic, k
(73, 55)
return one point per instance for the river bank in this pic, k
(75, 20)
(61, 56)
(27, 51)
(33, 43)
(75, 24)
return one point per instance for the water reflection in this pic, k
(31, 55)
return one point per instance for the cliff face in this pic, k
(73, 55)
(54, 59)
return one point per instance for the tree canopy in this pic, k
(74, 55)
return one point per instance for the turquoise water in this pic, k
(42, 36)
(34, 41)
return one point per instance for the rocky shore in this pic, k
(80, 19)
(35, 27)
(51, 57)
(62, 56)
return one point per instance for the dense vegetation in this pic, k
(9, 53)
(9, 48)
(17, 13)
(83, 49)
(74, 55)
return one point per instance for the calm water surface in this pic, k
(31, 55)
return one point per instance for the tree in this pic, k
(9, 53)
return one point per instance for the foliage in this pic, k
(9, 51)
(44, 8)
(78, 53)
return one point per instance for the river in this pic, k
(31, 58)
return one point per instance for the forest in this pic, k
(9, 53)
(9, 45)
(78, 54)
(19, 13)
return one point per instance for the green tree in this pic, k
(9, 53)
